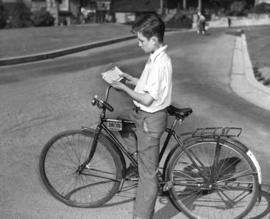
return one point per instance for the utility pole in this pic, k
(184, 4)
(161, 7)
(199, 5)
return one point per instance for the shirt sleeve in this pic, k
(157, 80)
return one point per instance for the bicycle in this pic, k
(207, 174)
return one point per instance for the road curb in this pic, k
(61, 52)
(243, 81)
(70, 50)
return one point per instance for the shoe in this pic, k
(132, 173)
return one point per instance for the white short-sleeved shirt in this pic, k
(156, 79)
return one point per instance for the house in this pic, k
(127, 10)
(68, 11)
(262, 1)
(74, 11)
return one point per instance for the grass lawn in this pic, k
(26, 41)
(258, 40)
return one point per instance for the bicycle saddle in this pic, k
(179, 113)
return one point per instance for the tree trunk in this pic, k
(200, 5)
(184, 4)
(161, 7)
(57, 6)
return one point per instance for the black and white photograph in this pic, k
(134, 109)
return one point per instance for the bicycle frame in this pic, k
(102, 126)
(103, 129)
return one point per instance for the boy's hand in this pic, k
(129, 79)
(118, 85)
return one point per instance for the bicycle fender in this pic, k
(237, 143)
(230, 140)
(109, 141)
(247, 151)
(193, 139)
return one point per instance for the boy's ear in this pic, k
(154, 39)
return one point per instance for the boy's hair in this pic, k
(150, 25)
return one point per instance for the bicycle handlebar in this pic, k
(101, 104)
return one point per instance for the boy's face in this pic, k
(147, 45)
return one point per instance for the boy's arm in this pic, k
(143, 98)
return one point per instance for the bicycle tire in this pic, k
(95, 185)
(231, 194)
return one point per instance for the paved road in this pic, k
(41, 99)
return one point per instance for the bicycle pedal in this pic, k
(167, 186)
(162, 193)
(132, 178)
(88, 166)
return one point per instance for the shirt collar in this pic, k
(157, 52)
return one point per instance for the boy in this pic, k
(201, 24)
(151, 97)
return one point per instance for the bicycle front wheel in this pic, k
(72, 183)
(212, 180)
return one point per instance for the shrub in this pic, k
(262, 8)
(3, 15)
(266, 82)
(238, 8)
(20, 16)
(42, 18)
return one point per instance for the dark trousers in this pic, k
(149, 128)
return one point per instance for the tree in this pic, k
(227, 3)
(57, 4)
(3, 15)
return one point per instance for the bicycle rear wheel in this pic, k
(203, 190)
(62, 173)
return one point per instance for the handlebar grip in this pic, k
(107, 105)
(94, 101)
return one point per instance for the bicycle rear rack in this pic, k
(217, 132)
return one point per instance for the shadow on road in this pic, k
(260, 211)
(166, 210)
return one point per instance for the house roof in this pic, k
(135, 5)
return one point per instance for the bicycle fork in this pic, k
(92, 151)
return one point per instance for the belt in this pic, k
(137, 109)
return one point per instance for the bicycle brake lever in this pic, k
(107, 105)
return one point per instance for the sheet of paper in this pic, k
(114, 74)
